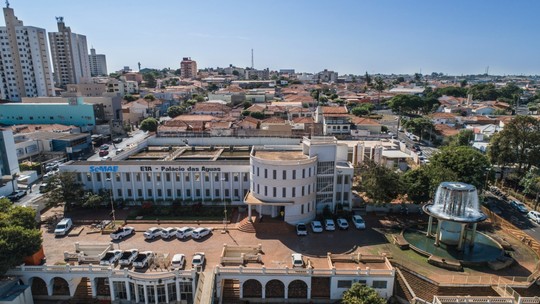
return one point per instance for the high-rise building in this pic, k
(98, 64)
(69, 54)
(25, 68)
(9, 165)
(188, 68)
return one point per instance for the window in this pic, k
(303, 190)
(79, 177)
(98, 177)
(265, 173)
(235, 176)
(178, 192)
(344, 284)
(149, 192)
(197, 192)
(177, 178)
(274, 191)
(258, 189)
(207, 192)
(128, 177)
(150, 293)
(168, 177)
(120, 290)
(236, 193)
(188, 192)
(284, 174)
(216, 192)
(346, 182)
(148, 177)
(119, 192)
(302, 212)
(129, 192)
(161, 296)
(345, 196)
(339, 178)
(216, 177)
(139, 192)
(226, 177)
(158, 177)
(227, 194)
(283, 192)
(169, 192)
(197, 177)
(89, 177)
(379, 284)
(293, 174)
(274, 174)
(245, 177)
(257, 171)
(172, 291)
(138, 177)
(206, 177)
(294, 192)
(187, 177)
(265, 190)
(117, 177)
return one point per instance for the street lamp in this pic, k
(112, 203)
(224, 208)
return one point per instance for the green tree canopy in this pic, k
(419, 126)
(174, 111)
(451, 91)
(150, 124)
(362, 294)
(484, 91)
(150, 97)
(150, 80)
(406, 103)
(465, 164)
(66, 189)
(417, 184)
(129, 98)
(19, 236)
(463, 138)
(257, 115)
(518, 143)
(380, 183)
(363, 109)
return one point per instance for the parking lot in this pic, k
(277, 247)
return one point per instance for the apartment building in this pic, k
(25, 68)
(188, 68)
(69, 53)
(98, 64)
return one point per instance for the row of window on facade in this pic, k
(188, 193)
(225, 177)
(154, 292)
(284, 190)
(284, 174)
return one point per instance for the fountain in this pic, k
(457, 211)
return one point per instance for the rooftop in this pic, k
(280, 154)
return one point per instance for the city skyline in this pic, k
(348, 37)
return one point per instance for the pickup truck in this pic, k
(143, 259)
(122, 232)
(110, 257)
(128, 256)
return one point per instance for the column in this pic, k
(286, 290)
(263, 291)
(155, 294)
(438, 236)
(430, 223)
(50, 287)
(249, 213)
(93, 287)
(473, 235)
(128, 291)
(241, 289)
(178, 289)
(309, 291)
(111, 287)
(166, 291)
(145, 294)
(137, 299)
(461, 237)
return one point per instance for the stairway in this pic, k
(83, 293)
(246, 226)
(231, 292)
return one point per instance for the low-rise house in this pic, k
(444, 119)
(335, 120)
(366, 124)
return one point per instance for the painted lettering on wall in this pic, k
(179, 169)
(95, 169)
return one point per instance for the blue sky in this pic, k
(379, 36)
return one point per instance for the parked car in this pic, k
(297, 260)
(329, 225)
(534, 216)
(494, 208)
(184, 232)
(128, 256)
(168, 232)
(519, 206)
(117, 140)
(122, 232)
(143, 259)
(342, 223)
(17, 195)
(152, 233)
(110, 257)
(358, 222)
(198, 260)
(199, 233)
(301, 229)
(43, 188)
(106, 158)
(119, 150)
(103, 153)
(316, 226)
(63, 227)
(178, 261)
(104, 147)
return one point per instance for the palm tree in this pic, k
(379, 86)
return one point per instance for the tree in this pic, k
(417, 184)
(149, 97)
(19, 236)
(484, 91)
(361, 294)
(64, 189)
(150, 80)
(518, 143)
(129, 98)
(406, 103)
(380, 183)
(379, 86)
(419, 125)
(367, 78)
(468, 164)
(363, 109)
(451, 91)
(235, 73)
(150, 124)
(91, 200)
(463, 138)
(257, 115)
(174, 111)
(531, 184)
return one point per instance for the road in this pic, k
(135, 137)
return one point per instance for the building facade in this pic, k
(25, 68)
(69, 54)
(9, 165)
(98, 64)
(188, 68)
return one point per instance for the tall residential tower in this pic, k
(69, 54)
(25, 68)
(98, 63)
(188, 68)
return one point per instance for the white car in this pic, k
(198, 259)
(342, 223)
(152, 233)
(184, 232)
(178, 261)
(143, 259)
(534, 216)
(329, 225)
(316, 226)
(358, 222)
(168, 232)
(297, 260)
(110, 257)
(127, 257)
(122, 232)
(199, 233)
(301, 229)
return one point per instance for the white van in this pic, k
(63, 227)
